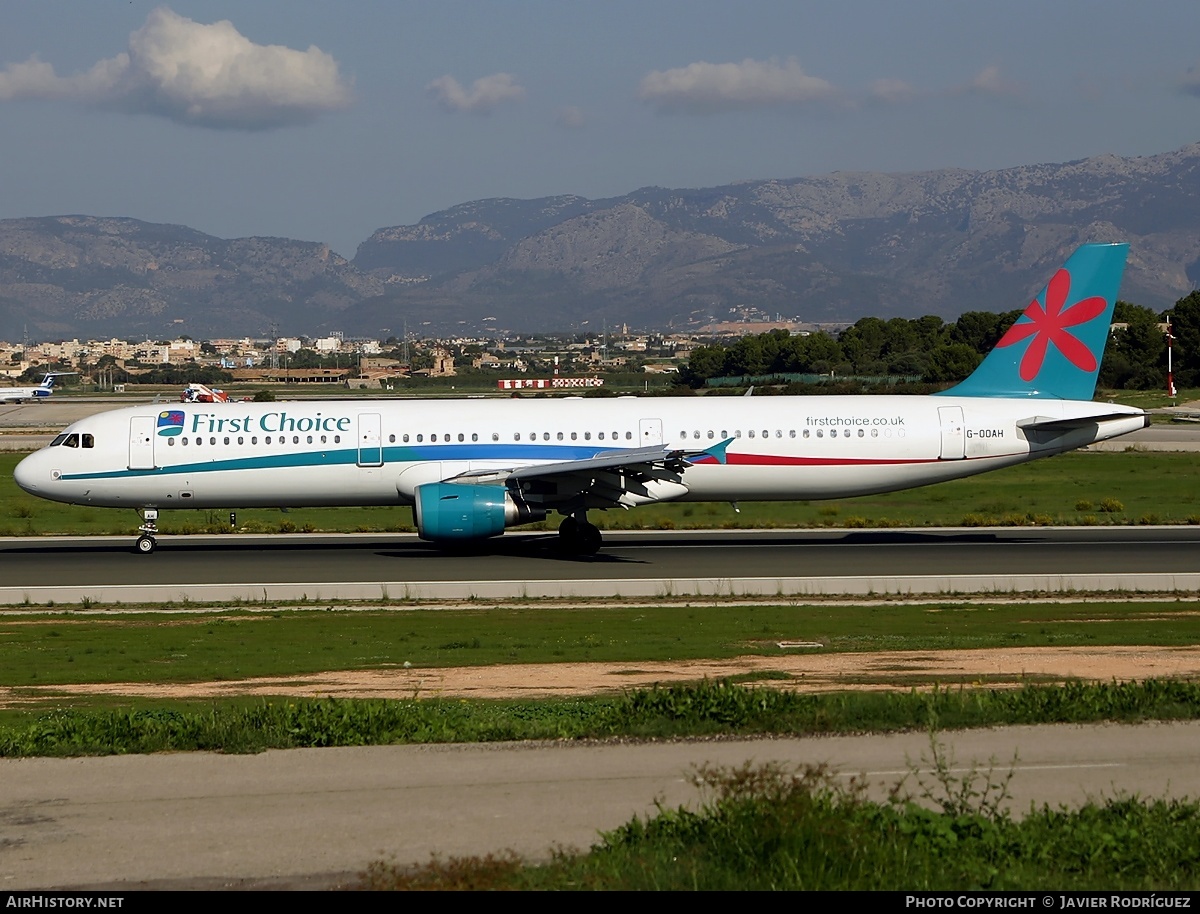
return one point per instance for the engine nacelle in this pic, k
(448, 511)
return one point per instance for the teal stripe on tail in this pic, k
(1054, 349)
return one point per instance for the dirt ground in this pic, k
(808, 672)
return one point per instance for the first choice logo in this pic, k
(213, 424)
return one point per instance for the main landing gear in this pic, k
(146, 542)
(577, 537)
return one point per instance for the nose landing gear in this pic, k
(146, 543)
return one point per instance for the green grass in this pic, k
(769, 828)
(760, 828)
(41, 649)
(1079, 488)
(1150, 399)
(682, 711)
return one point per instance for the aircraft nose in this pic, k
(26, 474)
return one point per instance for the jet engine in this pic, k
(449, 511)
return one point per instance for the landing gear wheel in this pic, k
(578, 537)
(568, 535)
(588, 539)
(145, 542)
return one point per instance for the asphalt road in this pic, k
(314, 818)
(631, 564)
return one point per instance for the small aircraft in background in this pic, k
(43, 390)
(198, 393)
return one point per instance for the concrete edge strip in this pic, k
(416, 591)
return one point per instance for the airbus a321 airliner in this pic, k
(471, 468)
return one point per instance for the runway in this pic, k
(371, 567)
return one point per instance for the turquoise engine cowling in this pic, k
(448, 511)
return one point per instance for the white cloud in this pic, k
(988, 81)
(707, 87)
(205, 75)
(486, 93)
(570, 117)
(891, 92)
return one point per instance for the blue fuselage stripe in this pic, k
(513, 453)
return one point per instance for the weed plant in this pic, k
(767, 827)
(701, 709)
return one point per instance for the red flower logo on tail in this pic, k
(1048, 325)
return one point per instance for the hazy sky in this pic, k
(324, 121)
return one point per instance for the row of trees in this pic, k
(939, 352)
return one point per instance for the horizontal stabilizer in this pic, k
(1049, 424)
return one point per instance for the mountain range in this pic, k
(826, 249)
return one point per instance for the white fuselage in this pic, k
(376, 452)
(21, 394)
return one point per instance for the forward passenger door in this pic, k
(141, 443)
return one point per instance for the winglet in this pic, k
(1055, 348)
(714, 454)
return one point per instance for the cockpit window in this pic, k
(65, 440)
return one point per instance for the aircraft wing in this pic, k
(618, 478)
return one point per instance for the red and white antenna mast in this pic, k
(1170, 375)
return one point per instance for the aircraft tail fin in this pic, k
(1054, 349)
